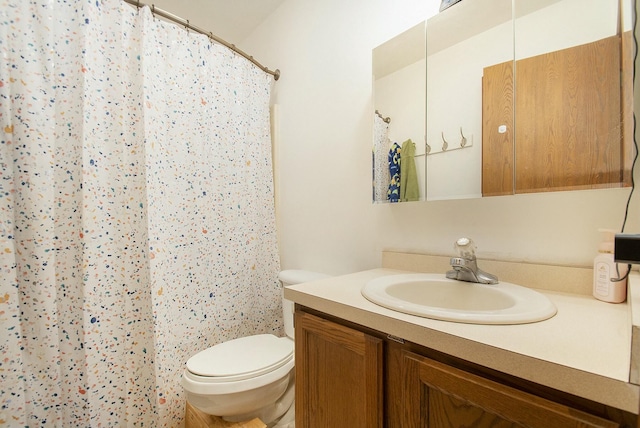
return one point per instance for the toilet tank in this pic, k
(293, 277)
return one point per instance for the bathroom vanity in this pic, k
(361, 365)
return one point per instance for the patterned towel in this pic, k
(394, 171)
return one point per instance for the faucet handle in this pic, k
(465, 248)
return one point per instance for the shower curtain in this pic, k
(381, 146)
(137, 219)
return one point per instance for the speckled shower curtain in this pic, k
(381, 146)
(136, 211)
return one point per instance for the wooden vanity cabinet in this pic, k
(338, 375)
(438, 395)
(351, 376)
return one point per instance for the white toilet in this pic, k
(250, 377)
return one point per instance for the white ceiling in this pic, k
(231, 20)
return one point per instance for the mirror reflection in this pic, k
(521, 96)
(536, 86)
(399, 70)
(569, 96)
(462, 41)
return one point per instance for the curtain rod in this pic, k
(384, 119)
(185, 23)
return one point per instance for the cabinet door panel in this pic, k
(568, 119)
(497, 130)
(448, 411)
(441, 396)
(572, 125)
(338, 375)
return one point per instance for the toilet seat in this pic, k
(242, 358)
(240, 364)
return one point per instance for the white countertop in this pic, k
(585, 349)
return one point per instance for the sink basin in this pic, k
(435, 296)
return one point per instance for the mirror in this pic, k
(534, 91)
(570, 105)
(399, 70)
(461, 42)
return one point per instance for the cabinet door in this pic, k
(568, 119)
(338, 375)
(567, 131)
(497, 130)
(440, 396)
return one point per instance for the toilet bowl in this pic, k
(249, 377)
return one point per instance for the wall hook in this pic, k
(445, 145)
(463, 141)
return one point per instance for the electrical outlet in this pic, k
(627, 248)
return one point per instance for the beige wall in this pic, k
(326, 219)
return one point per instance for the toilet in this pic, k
(249, 377)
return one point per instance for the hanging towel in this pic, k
(409, 190)
(394, 171)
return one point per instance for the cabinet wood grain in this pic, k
(568, 116)
(497, 130)
(572, 123)
(441, 396)
(348, 375)
(339, 375)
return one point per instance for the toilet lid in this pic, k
(243, 357)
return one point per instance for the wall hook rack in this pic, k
(466, 141)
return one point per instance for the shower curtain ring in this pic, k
(463, 141)
(445, 145)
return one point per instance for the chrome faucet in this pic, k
(465, 266)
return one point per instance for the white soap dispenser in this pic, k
(607, 285)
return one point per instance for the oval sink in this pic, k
(435, 296)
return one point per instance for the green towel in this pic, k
(409, 190)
